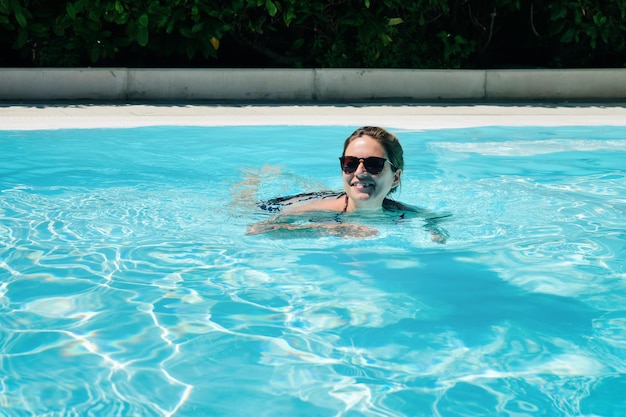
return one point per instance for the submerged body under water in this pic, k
(342, 224)
(128, 285)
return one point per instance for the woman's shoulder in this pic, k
(393, 205)
(413, 211)
(325, 204)
(319, 200)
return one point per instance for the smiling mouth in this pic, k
(363, 184)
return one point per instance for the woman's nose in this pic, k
(360, 170)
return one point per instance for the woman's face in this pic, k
(366, 190)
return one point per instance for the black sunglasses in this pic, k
(372, 164)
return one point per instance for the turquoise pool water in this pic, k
(128, 286)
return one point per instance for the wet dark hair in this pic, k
(388, 141)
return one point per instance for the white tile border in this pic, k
(400, 116)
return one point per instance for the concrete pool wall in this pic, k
(308, 85)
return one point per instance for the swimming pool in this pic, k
(128, 286)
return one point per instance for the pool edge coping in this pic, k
(309, 85)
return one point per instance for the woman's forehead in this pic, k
(365, 146)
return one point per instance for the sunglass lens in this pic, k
(374, 165)
(349, 164)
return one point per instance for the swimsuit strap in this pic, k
(345, 208)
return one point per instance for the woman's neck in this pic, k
(354, 205)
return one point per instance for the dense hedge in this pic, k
(314, 33)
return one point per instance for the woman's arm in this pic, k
(344, 230)
(437, 233)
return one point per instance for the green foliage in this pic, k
(313, 33)
(599, 27)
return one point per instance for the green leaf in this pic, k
(298, 43)
(559, 26)
(367, 4)
(123, 18)
(94, 15)
(21, 19)
(22, 36)
(568, 36)
(94, 53)
(19, 14)
(93, 26)
(186, 32)
(38, 28)
(197, 27)
(271, 7)
(71, 10)
(161, 21)
(143, 21)
(395, 21)
(58, 28)
(142, 36)
(605, 37)
(190, 51)
(561, 13)
(288, 16)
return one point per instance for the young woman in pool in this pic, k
(371, 163)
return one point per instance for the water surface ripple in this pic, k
(128, 287)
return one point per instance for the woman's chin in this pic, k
(361, 196)
(365, 201)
